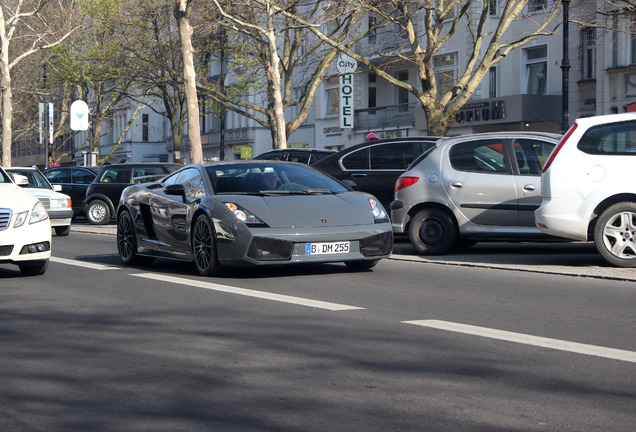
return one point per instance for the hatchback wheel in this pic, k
(432, 232)
(98, 212)
(127, 241)
(614, 235)
(203, 247)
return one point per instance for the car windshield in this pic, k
(271, 179)
(36, 179)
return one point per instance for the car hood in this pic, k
(15, 198)
(307, 211)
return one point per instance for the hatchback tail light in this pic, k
(558, 148)
(404, 182)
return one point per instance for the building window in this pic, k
(536, 70)
(144, 127)
(492, 82)
(403, 94)
(373, 34)
(373, 93)
(333, 96)
(588, 37)
(445, 66)
(537, 5)
(492, 8)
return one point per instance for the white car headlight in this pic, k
(379, 214)
(60, 204)
(38, 213)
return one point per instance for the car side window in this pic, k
(57, 176)
(116, 175)
(485, 156)
(610, 139)
(80, 176)
(192, 182)
(393, 156)
(531, 155)
(298, 157)
(358, 159)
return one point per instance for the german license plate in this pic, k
(327, 248)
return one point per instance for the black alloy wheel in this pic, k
(127, 241)
(203, 247)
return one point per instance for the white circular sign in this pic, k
(346, 64)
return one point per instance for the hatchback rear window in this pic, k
(610, 139)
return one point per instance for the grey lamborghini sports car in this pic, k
(251, 213)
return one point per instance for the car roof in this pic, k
(502, 134)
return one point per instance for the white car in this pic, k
(25, 228)
(588, 187)
(58, 205)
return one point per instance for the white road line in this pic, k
(248, 292)
(90, 265)
(593, 350)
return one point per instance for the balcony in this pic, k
(387, 117)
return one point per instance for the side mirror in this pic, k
(175, 189)
(350, 184)
(20, 180)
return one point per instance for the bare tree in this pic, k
(428, 25)
(22, 18)
(276, 62)
(182, 13)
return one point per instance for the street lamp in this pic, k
(565, 68)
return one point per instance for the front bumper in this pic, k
(30, 242)
(62, 217)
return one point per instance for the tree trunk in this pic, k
(189, 75)
(7, 103)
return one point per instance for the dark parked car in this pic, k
(374, 166)
(304, 156)
(251, 213)
(74, 181)
(102, 195)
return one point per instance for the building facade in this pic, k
(522, 92)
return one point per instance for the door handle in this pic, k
(529, 187)
(358, 175)
(457, 184)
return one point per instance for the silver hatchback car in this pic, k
(471, 188)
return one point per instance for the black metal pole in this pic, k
(565, 68)
(222, 82)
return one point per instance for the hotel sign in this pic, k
(346, 66)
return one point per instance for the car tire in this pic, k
(614, 234)
(34, 268)
(361, 264)
(127, 241)
(98, 212)
(432, 232)
(204, 247)
(63, 231)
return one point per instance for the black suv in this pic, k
(102, 196)
(374, 166)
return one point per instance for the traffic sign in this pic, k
(79, 116)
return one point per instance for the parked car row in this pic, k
(442, 193)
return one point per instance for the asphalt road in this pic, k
(413, 345)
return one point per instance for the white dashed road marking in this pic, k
(593, 350)
(248, 292)
(90, 265)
